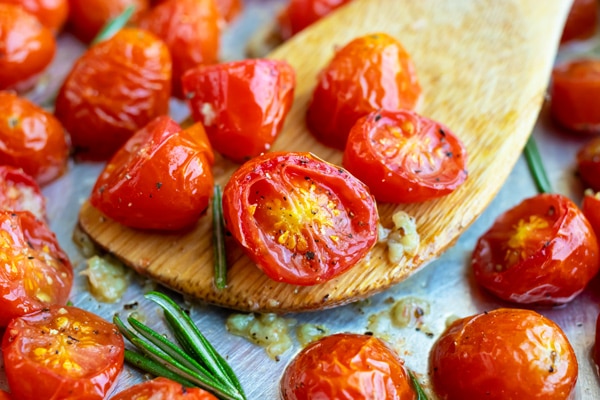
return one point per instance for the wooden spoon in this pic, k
(483, 65)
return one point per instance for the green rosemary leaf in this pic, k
(536, 166)
(114, 25)
(220, 258)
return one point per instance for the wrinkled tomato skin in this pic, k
(302, 220)
(503, 354)
(62, 353)
(372, 72)
(160, 179)
(542, 251)
(26, 48)
(347, 366)
(51, 13)
(190, 28)
(19, 192)
(242, 104)
(298, 14)
(581, 22)
(167, 389)
(588, 164)
(117, 87)
(404, 157)
(32, 139)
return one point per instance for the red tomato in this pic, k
(300, 219)
(404, 157)
(591, 209)
(160, 179)
(51, 13)
(32, 138)
(164, 389)
(503, 354)
(574, 94)
(4, 395)
(26, 47)
(298, 14)
(62, 353)
(588, 164)
(542, 251)
(347, 366)
(19, 192)
(582, 20)
(242, 104)
(373, 72)
(117, 87)
(229, 9)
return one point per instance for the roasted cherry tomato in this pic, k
(298, 14)
(541, 251)
(32, 138)
(347, 366)
(242, 104)
(51, 13)
(503, 354)
(36, 271)
(117, 87)
(574, 94)
(373, 72)
(590, 207)
(26, 47)
(4, 395)
(582, 20)
(160, 179)
(62, 353)
(229, 9)
(162, 388)
(300, 219)
(19, 192)
(404, 157)
(190, 28)
(588, 164)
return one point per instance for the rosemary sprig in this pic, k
(219, 240)
(420, 392)
(140, 361)
(536, 166)
(114, 25)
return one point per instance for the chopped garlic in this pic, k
(266, 330)
(307, 333)
(403, 239)
(208, 114)
(107, 277)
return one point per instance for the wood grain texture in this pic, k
(483, 65)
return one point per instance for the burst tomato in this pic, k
(51, 13)
(298, 14)
(503, 354)
(404, 157)
(164, 389)
(300, 219)
(62, 353)
(373, 72)
(19, 192)
(242, 104)
(117, 87)
(542, 251)
(160, 179)
(347, 366)
(588, 164)
(582, 20)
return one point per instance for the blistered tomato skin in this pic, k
(404, 157)
(19, 192)
(588, 164)
(503, 354)
(347, 366)
(298, 14)
(160, 179)
(117, 87)
(51, 13)
(582, 21)
(373, 72)
(302, 220)
(162, 388)
(62, 353)
(542, 251)
(242, 104)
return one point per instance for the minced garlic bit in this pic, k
(403, 239)
(208, 114)
(307, 333)
(408, 312)
(108, 278)
(84, 242)
(266, 330)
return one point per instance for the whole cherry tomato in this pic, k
(298, 14)
(574, 94)
(62, 353)
(541, 251)
(190, 28)
(51, 13)
(582, 20)
(373, 72)
(19, 192)
(36, 271)
(114, 89)
(32, 138)
(404, 157)
(588, 164)
(347, 366)
(242, 104)
(164, 389)
(503, 354)
(229, 9)
(160, 179)
(300, 219)
(26, 48)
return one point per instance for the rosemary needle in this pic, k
(417, 386)
(114, 25)
(220, 258)
(536, 166)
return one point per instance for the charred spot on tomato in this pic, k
(13, 122)
(158, 185)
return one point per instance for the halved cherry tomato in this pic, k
(503, 354)
(298, 14)
(582, 20)
(575, 94)
(541, 251)
(162, 388)
(32, 138)
(160, 179)
(51, 13)
(300, 219)
(588, 164)
(19, 192)
(242, 104)
(117, 87)
(62, 353)
(229, 9)
(36, 271)
(372, 72)
(190, 28)
(26, 48)
(404, 157)
(347, 366)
